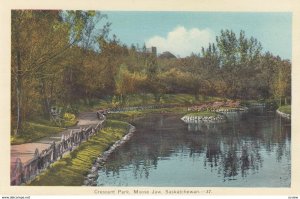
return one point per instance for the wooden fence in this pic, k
(136, 108)
(25, 172)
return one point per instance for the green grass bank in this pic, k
(39, 128)
(285, 109)
(73, 167)
(202, 114)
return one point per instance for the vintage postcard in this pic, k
(150, 98)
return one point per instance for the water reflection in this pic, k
(250, 149)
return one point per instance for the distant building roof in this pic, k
(167, 55)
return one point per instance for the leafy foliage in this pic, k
(61, 58)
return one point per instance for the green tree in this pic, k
(282, 81)
(40, 40)
(154, 84)
(36, 44)
(239, 58)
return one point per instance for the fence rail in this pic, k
(136, 108)
(25, 172)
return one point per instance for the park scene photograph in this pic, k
(150, 98)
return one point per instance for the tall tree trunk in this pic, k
(18, 79)
(51, 92)
(280, 101)
(285, 101)
(46, 103)
(121, 99)
(87, 97)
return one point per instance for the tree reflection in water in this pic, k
(231, 149)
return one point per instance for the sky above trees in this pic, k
(184, 32)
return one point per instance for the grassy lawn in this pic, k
(228, 108)
(186, 99)
(142, 99)
(202, 114)
(179, 99)
(35, 131)
(39, 128)
(73, 167)
(285, 109)
(128, 116)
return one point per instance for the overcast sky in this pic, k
(185, 32)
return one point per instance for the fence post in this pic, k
(43, 156)
(86, 134)
(26, 173)
(54, 156)
(17, 173)
(36, 162)
(60, 150)
(80, 136)
(76, 138)
(64, 143)
(72, 140)
(36, 153)
(62, 138)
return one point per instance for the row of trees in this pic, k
(60, 57)
(235, 67)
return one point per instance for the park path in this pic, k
(26, 151)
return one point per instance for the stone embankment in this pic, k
(198, 119)
(214, 108)
(221, 108)
(91, 178)
(227, 110)
(284, 115)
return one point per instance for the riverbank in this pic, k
(72, 169)
(92, 177)
(40, 128)
(142, 100)
(284, 111)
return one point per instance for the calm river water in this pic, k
(249, 150)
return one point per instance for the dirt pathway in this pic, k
(26, 151)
